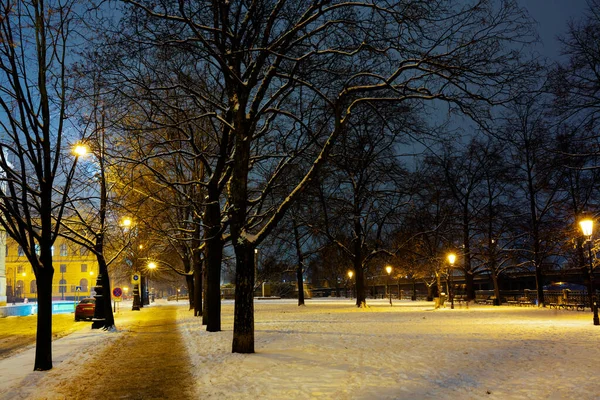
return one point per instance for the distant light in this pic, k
(126, 222)
(152, 265)
(388, 269)
(350, 274)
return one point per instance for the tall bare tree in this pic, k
(267, 56)
(36, 133)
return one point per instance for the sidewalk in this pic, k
(144, 359)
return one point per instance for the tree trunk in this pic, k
(361, 299)
(189, 280)
(43, 344)
(299, 267)
(198, 288)
(214, 256)
(104, 318)
(496, 287)
(243, 324)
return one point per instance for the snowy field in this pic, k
(331, 350)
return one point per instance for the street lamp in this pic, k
(451, 260)
(587, 227)
(388, 269)
(350, 275)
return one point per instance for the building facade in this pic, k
(75, 272)
(2, 268)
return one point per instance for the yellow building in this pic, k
(75, 271)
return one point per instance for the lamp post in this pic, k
(451, 261)
(587, 227)
(350, 275)
(388, 269)
(151, 267)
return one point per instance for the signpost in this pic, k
(117, 293)
(135, 281)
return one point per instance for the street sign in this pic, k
(117, 292)
(78, 288)
(135, 279)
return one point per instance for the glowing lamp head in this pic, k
(350, 274)
(80, 150)
(451, 258)
(152, 265)
(587, 226)
(388, 269)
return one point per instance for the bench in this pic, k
(490, 300)
(482, 299)
(460, 300)
(573, 306)
(524, 301)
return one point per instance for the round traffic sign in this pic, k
(135, 279)
(117, 292)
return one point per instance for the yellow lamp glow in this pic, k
(350, 274)
(388, 269)
(587, 226)
(80, 150)
(451, 258)
(152, 265)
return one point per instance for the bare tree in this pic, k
(537, 178)
(344, 54)
(36, 133)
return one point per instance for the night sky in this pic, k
(552, 17)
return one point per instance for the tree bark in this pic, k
(300, 266)
(214, 256)
(43, 344)
(243, 326)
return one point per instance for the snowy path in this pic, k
(147, 362)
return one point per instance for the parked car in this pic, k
(85, 309)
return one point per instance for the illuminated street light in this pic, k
(388, 269)
(587, 227)
(80, 150)
(350, 275)
(152, 265)
(451, 260)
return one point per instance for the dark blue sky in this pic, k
(552, 17)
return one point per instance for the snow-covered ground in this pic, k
(332, 350)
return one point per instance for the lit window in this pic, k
(20, 252)
(64, 250)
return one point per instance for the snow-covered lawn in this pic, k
(331, 350)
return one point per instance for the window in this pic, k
(83, 267)
(84, 285)
(20, 269)
(33, 286)
(73, 288)
(63, 268)
(37, 249)
(64, 250)
(20, 252)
